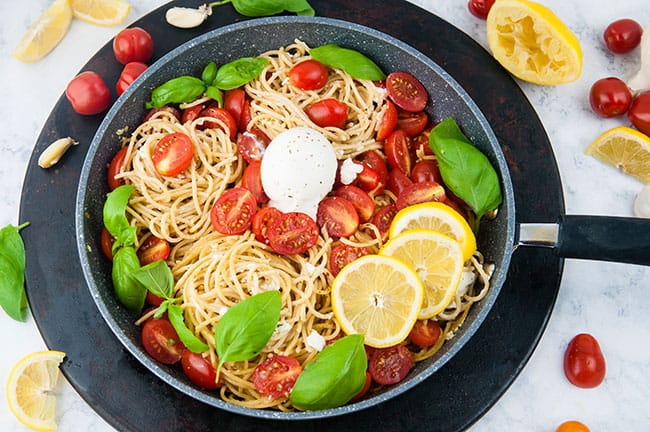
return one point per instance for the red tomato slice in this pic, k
(233, 211)
(421, 192)
(328, 113)
(383, 218)
(308, 75)
(368, 178)
(338, 216)
(224, 119)
(376, 161)
(161, 342)
(584, 363)
(390, 365)
(292, 233)
(406, 91)
(276, 376)
(200, 371)
(252, 180)
(421, 141)
(106, 242)
(398, 182)
(233, 102)
(173, 154)
(388, 121)
(343, 254)
(252, 144)
(425, 333)
(115, 167)
(153, 249)
(363, 204)
(426, 170)
(262, 221)
(413, 123)
(398, 151)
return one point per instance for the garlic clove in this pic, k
(642, 203)
(53, 153)
(640, 82)
(183, 17)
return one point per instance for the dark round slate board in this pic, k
(131, 398)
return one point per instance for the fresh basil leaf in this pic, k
(336, 375)
(12, 272)
(353, 62)
(181, 89)
(157, 278)
(466, 171)
(115, 220)
(128, 290)
(209, 73)
(259, 8)
(194, 344)
(299, 7)
(215, 93)
(239, 72)
(246, 327)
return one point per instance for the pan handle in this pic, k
(603, 238)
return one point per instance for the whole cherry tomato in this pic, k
(88, 93)
(131, 71)
(623, 35)
(133, 44)
(308, 75)
(328, 112)
(425, 333)
(610, 97)
(639, 112)
(584, 363)
(480, 8)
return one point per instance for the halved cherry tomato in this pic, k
(233, 102)
(245, 118)
(383, 218)
(153, 249)
(368, 178)
(252, 180)
(172, 110)
(406, 91)
(425, 333)
(572, 426)
(252, 144)
(292, 233)
(328, 113)
(364, 389)
(343, 254)
(338, 216)
(199, 370)
(421, 141)
(153, 300)
(398, 182)
(115, 167)
(173, 154)
(421, 192)
(413, 123)
(584, 363)
(363, 204)
(388, 121)
(88, 93)
(398, 151)
(106, 242)
(161, 342)
(308, 75)
(276, 376)
(192, 113)
(130, 72)
(133, 44)
(390, 365)
(224, 119)
(232, 213)
(262, 221)
(426, 170)
(376, 161)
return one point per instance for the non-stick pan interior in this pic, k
(251, 38)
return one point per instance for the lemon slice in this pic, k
(439, 217)
(532, 43)
(101, 12)
(30, 389)
(438, 261)
(45, 33)
(624, 148)
(379, 297)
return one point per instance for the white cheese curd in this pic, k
(315, 341)
(298, 170)
(349, 171)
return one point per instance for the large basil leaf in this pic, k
(353, 62)
(182, 89)
(259, 8)
(157, 278)
(246, 327)
(336, 375)
(465, 170)
(12, 272)
(114, 214)
(239, 72)
(128, 290)
(194, 344)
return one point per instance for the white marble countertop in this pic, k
(608, 300)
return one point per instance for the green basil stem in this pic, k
(258, 8)
(12, 272)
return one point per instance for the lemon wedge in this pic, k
(45, 33)
(532, 43)
(379, 297)
(101, 12)
(624, 148)
(439, 217)
(438, 261)
(30, 389)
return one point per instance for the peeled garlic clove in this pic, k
(641, 81)
(642, 203)
(183, 17)
(54, 151)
